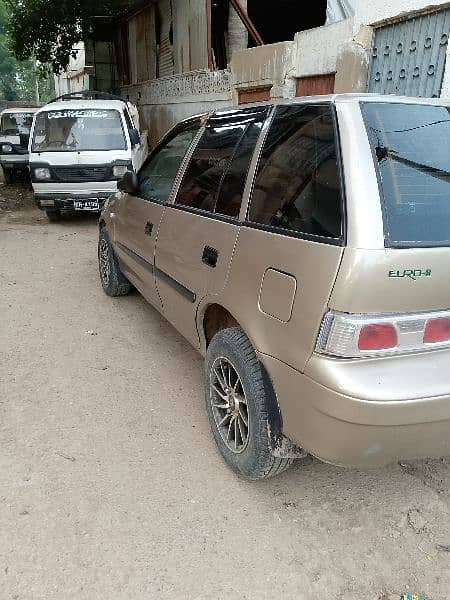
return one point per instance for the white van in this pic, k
(15, 125)
(79, 149)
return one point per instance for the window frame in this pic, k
(342, 239)
(387, 242)
(168, 137)
(250, 171)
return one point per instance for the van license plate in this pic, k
(86, 205)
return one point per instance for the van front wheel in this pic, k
(53, 215)
(238, 406)
(9, 176)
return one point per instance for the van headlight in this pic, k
(119, 170)
(7, 148)
(42, 173)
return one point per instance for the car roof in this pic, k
(83, 105)
(349, 98)
(19, 109)
(333, 98)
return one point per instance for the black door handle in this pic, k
(148, 228)
(210, 256)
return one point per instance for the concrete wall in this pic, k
(261, 67)
(164, 102)
(315, 50)
(342, 48)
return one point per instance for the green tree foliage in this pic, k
(18, 78)
(49, 29)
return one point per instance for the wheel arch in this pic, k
(214, 318)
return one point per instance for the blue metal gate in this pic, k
(408, 57)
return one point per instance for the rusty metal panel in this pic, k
(166, 63)
(259, 94)
(181, 50)
(315, 85)
(132, 26)
(146, 45)
(408, 57)
(198, 34)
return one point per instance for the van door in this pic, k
(198, 232)
(137, 216)
(138, 151)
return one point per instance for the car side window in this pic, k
(156, 177)
(215, 178)
(297, 185)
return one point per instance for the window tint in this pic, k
(215, 178)
(155, 179)
(297, 186)
(411, 147)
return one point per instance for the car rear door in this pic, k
(198, 231)
(137, 216)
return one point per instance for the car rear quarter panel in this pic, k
(392, 280)
(314, 267)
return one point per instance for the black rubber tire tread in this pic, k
(9, 176)
(53, 215)
(118, 283)
(256, 461)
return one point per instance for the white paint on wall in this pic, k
(265, 65)
(375, 11)
(316, 50)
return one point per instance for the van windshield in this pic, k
(76, 130)
(411, 148)
(16, 123)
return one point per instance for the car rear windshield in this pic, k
(16, 123)
(411, 148)
(76, 130)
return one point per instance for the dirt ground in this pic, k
(111, 486)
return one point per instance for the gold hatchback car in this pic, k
(303, 247)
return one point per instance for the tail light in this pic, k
(359, 335)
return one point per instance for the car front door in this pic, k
(137, 216)
(198, 231)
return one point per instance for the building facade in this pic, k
(175, 58)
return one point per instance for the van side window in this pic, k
(215, 178)
(297, 186)
(156, 177)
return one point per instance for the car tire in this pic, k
(53, 215)
(237, 402)
(114, 282)
(9, 176)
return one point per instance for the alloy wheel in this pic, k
(229, 405)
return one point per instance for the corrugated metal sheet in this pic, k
(408, 57)
(146, 45)
(198, 41)
(132, 25)
(166, 63)
(181, 36)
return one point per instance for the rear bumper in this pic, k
(348, 431)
